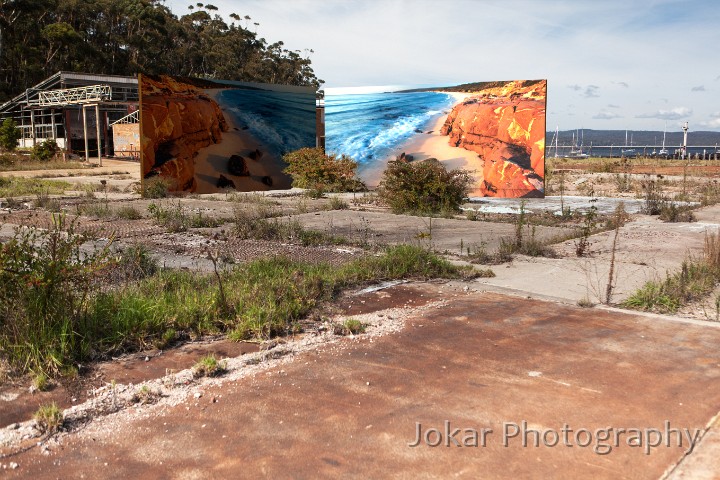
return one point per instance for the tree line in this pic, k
(126, 37)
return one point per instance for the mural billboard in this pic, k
(205, 136)
(494, 129)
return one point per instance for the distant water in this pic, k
(282, 121)
(369, 127)
(642, 150)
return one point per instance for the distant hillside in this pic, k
(639, 138)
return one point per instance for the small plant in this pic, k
(128, 212)
(45, 151)
(350, 326)
(337, 203)
(653, 196)
(582, 244)
(145, 395)
(49, 418)
(585, 303)
(41, 382)
(674, 213)
(209, 366)
(155, 187)
(485, 273)
(313, 169)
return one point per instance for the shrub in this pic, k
(46, 279)
(423, 187)
(45, 151)
(9, 135)
(312, 168)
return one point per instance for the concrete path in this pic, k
(481, 362)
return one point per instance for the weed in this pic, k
(696, 278)
(337, 203)
(44, 201)
(585, 303)
(350, 326)
(175, 219)
(209, 366)
(41, 382)
(128, 212)
(155, 187)
(49, 418)
(582, 244)
(672, 212)
(485, 273)
(653, 196)
(145, 396)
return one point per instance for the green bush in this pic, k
(45, 151)
(9, 135)
(312, 168)
(423, 187)
(46, 280)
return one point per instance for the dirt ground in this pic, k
(477, 360)
(503, 349)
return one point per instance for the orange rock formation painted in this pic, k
(506, 127)
(178, 119)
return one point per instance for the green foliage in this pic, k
(423, 187)
(53, 317)
(21, 186)
(9, 135)
(312, 168)
(46, 280)
(696, 279)
(125, 37)
(45, 151)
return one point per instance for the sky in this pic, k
(610, 64)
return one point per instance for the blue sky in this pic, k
(610, 64)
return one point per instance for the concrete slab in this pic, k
(647, 249)
(483, 361)
(445, 233)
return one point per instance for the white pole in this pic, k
(97, 124)
(85, 137)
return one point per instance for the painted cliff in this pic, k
(505, 125)
(178, 120)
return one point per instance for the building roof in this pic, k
(64, 79)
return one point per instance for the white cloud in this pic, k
(606, 116)
(575, 87)
(591, 91)
(673, 114)
(612, 105)
(714, 123)
(699, 88)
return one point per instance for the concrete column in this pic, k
(87, 150)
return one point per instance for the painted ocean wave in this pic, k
(370, 127)
(282, 121)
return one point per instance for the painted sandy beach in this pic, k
(208, 136)
(493, 129)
